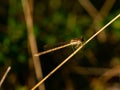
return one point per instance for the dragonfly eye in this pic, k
(82, 39)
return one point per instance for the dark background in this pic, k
(57, 21)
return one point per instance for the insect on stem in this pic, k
(76, 42)
(71, 55)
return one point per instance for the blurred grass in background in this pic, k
(55, 22)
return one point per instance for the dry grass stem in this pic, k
(4, 76)
(32, 41)
(71, 55)
(78, 42)
(87, 5)
(100, 16)
(97, 15)
(103, 12)
(109, 74)
(89, 70)
(108, 4)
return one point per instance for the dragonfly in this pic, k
(73, 42)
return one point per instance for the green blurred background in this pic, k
(57, 21)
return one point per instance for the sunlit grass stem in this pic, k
(71, 55)
(4, 76)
